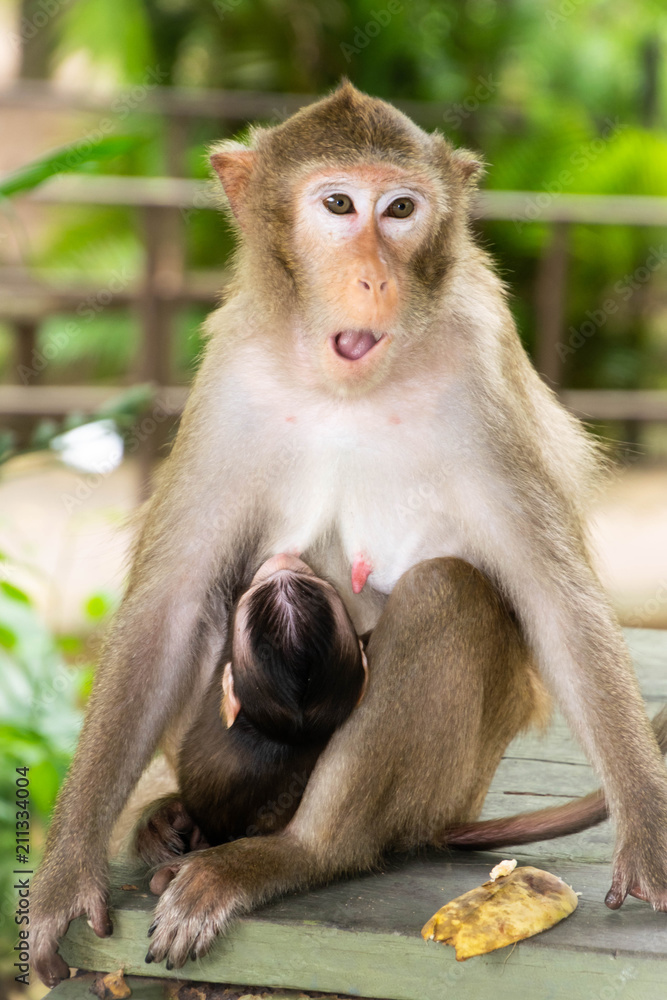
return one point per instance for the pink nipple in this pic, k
(361, 570)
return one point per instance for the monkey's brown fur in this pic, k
(287, 446)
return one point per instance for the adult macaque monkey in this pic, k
(365, 402)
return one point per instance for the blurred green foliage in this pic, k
(558, 95)
(44, 683)
(74, 158)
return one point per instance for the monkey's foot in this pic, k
(198, 902)
(204, 892)
(640, 870)
(167, 831)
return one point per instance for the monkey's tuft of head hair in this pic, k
(301, 673)
(346, 128)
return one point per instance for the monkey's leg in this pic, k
(450, 685)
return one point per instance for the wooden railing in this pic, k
(27, 297)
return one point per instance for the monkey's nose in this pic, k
(374, 285)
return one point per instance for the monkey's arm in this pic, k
(535, 549)
(141, 683)
(157, 652)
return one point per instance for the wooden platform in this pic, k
(361, 937)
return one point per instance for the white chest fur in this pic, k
(372, 476)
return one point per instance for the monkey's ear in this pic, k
(234, 167)
(469, 166)
(364, 663)
(231, 706)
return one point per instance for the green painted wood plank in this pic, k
(530, 775)
(362, 937)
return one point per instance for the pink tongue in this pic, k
(353, 344)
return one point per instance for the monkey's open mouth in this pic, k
(354, 344)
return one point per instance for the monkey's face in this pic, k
(358, 236)
(351, 218)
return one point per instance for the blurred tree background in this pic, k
(557, 95)
(545, 90)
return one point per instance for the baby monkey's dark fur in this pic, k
(297, 672)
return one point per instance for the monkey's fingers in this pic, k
(48, 928)
(163, 831)
(621, 889)
(198, 841)
(163, 877)
(47, 963)
(617, 893)
(99, 919)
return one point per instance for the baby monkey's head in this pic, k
(297, 667)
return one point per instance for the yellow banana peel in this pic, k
(502, 911)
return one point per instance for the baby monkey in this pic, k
(297, 669)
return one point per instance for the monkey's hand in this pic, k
(60, 893)
(640, 867)
(166, 831)
(198, 901)
(203, 893)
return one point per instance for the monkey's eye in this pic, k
(339, 204)
(400, 208)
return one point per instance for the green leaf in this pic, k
(23, 744)
(85, 684)
(97, 606)
(77, 157)
(8, 639)
(69, 644)
(132, 402)
(45, 779)
(14, 593)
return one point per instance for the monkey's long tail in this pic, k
(543, 824)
